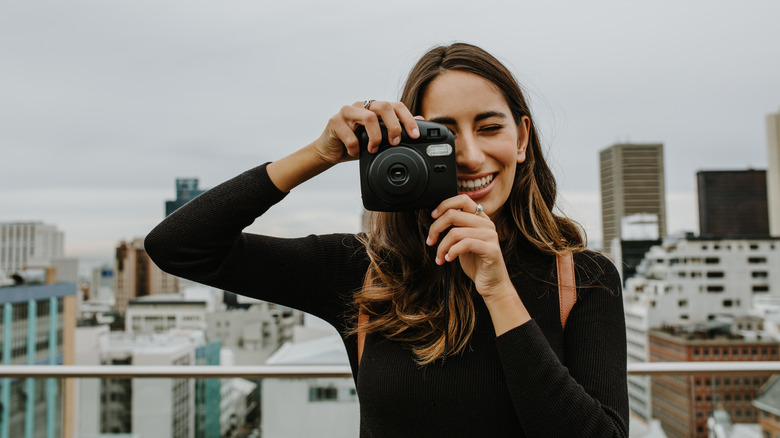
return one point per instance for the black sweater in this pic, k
(532, 381)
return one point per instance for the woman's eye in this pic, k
(490, 128)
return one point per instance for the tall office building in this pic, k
(135, 275)
(29, 244)
(632, 182)
(732, 203)
(37, 327)
(186, 190)
(773, 172)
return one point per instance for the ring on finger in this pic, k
(479, 209)
(367, 103)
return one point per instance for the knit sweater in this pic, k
(533, 381)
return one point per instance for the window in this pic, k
(714, 288)
(756, 260)
(760, 274)
(727, 303)
(682, 303)
(760, 288)
(712, 260)
(715, 274)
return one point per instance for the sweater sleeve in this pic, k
(204, 241)
(589, 394)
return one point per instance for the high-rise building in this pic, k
(684, 403)
(37, 326)
(773, 172)
(732, 203)
(135, 275)
(186, 190)
(29, 244)
(632, 182)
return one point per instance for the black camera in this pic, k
(415, 174)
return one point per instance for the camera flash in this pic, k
(438, 150)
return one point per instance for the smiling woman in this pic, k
(476, 347)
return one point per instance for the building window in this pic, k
(756, 260)
(714, 288)
(712, 260)
(682, 303)
(760, 288)
(727, 303)
(715, 274)
(760, 274)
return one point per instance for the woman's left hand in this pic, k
(473, 240)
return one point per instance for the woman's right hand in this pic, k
(339, 143)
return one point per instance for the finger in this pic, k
(357, 115)
(408, 121)
(452, 246)
(457, 218)
(387, 112)
(459, 202)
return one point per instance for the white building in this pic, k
(328, 405)
(253, 334)
(29, 244)
(146, 407)
(688, 280)
(773, 172)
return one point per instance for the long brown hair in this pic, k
(404, 297)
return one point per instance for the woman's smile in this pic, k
(476, 186)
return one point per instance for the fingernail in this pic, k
(435, 212)
(438, 260)
(395, 140)
(429, 241)
(415, 132)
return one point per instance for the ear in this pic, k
(523, 130)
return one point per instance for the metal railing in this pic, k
(752, 368)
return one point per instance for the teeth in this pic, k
(474, 184)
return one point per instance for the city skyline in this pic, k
(103, 109)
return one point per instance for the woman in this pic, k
(495, 360)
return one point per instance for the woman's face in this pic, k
(488, 143)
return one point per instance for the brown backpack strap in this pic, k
(362, 321)
(567, 296)
(567, 285)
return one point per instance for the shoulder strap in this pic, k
(567, 295)
(362, 321)
(567, 285)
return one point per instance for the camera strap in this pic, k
(567, 296)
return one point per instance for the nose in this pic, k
(468, 154)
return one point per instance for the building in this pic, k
(639, 233)
(29, 244)
(732, 203)
(146, 407)
(186, 190)
(37, 326)
(329, 405)
(684, 404)
(773, 172)
(252, 334)
(164, 312)
(135, 275)
(632, 182)
(688, 280)
(768, 403)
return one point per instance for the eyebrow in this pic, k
(479, 117)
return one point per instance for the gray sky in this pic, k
(103, 104)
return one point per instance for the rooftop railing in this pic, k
(753, 368)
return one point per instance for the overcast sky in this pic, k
(104, 103)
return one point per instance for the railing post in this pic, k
(32, 343)
(5, 426)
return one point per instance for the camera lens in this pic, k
(398, 174)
